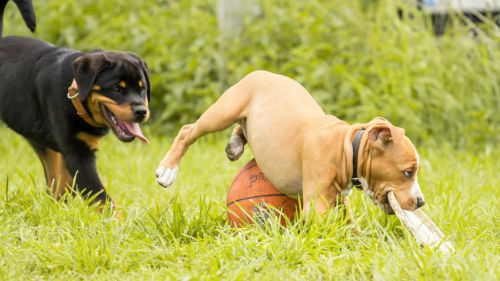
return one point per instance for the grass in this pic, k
(181, 233)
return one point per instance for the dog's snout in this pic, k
(420, 203)
(140, 112)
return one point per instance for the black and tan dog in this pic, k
(113, 92)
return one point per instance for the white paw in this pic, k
(166, 176)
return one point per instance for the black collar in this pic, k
(355, 147)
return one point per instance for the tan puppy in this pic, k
(302, 151)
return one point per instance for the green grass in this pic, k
(181, 233)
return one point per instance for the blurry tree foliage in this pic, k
(358, 59)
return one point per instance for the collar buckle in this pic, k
(357, 183)
(80, 109)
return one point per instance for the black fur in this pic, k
(34, 81)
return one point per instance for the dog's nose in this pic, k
(420, 203)
(140, 112)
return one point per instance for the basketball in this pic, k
(250, 195)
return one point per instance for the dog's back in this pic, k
(8, 47)
(19, 59)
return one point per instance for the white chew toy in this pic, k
(421, 227)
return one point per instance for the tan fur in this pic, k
(57, 175)
(122, 84)
(124, 112)
(146, 102)
(58, 178)
(96, 88)
(93, 105)
(91, 140)
(140, 83)
(301, 150)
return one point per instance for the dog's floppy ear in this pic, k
(379, 120)
(85, 71)
(145, 68)
(381, 135)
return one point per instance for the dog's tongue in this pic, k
(135, 130)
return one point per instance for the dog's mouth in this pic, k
(383, 203)
(124, 131)
(385, 206)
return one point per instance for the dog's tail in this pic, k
(27, 11)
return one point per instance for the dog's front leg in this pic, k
(318, 176)
(169, 166)
(317, 186)
(348, 213)
(326, 196)
(81, 163)
(320, 184)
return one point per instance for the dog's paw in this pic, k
(357, 231)
(116, 212)
(110, 206)
(166, 176)
(235, 148)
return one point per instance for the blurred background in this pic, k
(428, 66)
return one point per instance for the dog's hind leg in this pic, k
(236, 145)
(56, 174)
(229, 109)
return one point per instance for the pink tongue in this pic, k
(134, 129)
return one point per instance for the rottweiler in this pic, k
(63, 101)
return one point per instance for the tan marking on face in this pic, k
(91, 140)
(140, 83)
(122, 84)
(124, 112)
(93, 104)
(96, 87)
(56, 173)
(148, 112)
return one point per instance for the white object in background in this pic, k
(443, 6)
(230, 13)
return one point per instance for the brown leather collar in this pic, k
(80, 110)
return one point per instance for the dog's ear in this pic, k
(145, 70)
(379, 119)
(381, 135)
(85, 71)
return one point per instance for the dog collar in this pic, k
(80, 110)
(355, 147)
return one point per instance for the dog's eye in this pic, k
(143, 88)
(408, 174)
(116, 89)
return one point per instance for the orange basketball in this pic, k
(250, 195)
